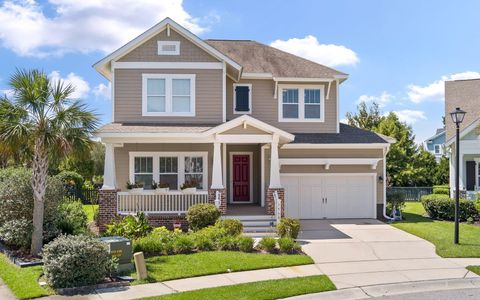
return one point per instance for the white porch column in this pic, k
(274, 164)
(217, 181)
(109, 169)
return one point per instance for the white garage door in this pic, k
(313, 196)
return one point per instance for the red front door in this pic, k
(241, 178)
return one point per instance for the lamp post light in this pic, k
(457, 118)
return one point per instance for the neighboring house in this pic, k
(435, 144)
(466, 95)
(253, 126)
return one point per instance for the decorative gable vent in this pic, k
(168, 48)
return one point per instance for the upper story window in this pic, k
(168, 47)
(242, 98)
(301, 103)
(437, 149)
(168, 95)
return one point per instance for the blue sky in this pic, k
(397, 53)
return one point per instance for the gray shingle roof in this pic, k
(348, 135)
(255, 57)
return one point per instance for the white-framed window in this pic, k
(168, 47)
(174, 168)
(242, 98)
(143, 171)
(301, 103)
(437, 149)
(168, 95)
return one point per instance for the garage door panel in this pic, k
(348, 196)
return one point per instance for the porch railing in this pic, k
(173, 202)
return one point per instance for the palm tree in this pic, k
(42, 117)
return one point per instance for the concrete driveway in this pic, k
(368, 252)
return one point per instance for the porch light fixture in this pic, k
(380, 179)
(457, 118)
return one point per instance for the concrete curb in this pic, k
(374, 291)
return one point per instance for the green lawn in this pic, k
(440, 233)
(22, 281)
(474, 269)
(161, 268)
(262, 290)
(90, 209)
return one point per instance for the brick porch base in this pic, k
(270, 202)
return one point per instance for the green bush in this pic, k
(202, 242)
(232, 227)
(71, 178)
(268, 244)
(72, 219)
(16, 207)
(183, 244)
(288, 245)
(288, 227)
(131, 227)
(150, 245)
(245, 243)
(202, 215)
(228, 243)
(444, 186)
(71, 261)
(441, 191)
(443, 208)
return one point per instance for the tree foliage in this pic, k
(408, 164)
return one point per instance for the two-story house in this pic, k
(466, 95)
(436, 144)
(255, 129)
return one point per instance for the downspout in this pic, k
(385, 151)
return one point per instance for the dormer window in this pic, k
(242, 98)
(301, 103)
(168, 48)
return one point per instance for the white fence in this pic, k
(152, 203)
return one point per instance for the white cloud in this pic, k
(382, 100)
(103, 91)
(326, 54)
(435, 91)
(82, 88)
(410, 116)
(85, 26)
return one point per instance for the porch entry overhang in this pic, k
(242, 130)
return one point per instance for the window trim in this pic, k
(180, 166)
(249, 99)
(301, 102)
(164, 43)
(168, 95)
(440, 152)
(132, 179)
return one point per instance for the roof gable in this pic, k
(104, 65)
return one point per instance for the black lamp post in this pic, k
(457, 118)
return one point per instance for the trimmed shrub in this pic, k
(71, 178)
(268, 244)
(288, 227)
(202, 242)
(71, 261)
(131, 227)
(16, 207)
(245, 243)
(441, 191)
(232, 227)
(72, 219)
(202, 215)
(183, 244)
(443, 208)
(288, 245)
(228, 243)
(150, 245)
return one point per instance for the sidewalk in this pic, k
(195, 283)
(5, 293)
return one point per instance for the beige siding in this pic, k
(148, 51)
(256, 180)
(208, 96)
(466, 95)
(241, 130)
(122, 157)
(265, 108)
(330, 153)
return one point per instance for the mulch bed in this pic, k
(20, 258)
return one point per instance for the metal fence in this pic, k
(410, 193)
(87, 196)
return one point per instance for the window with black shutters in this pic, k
(242, 98)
